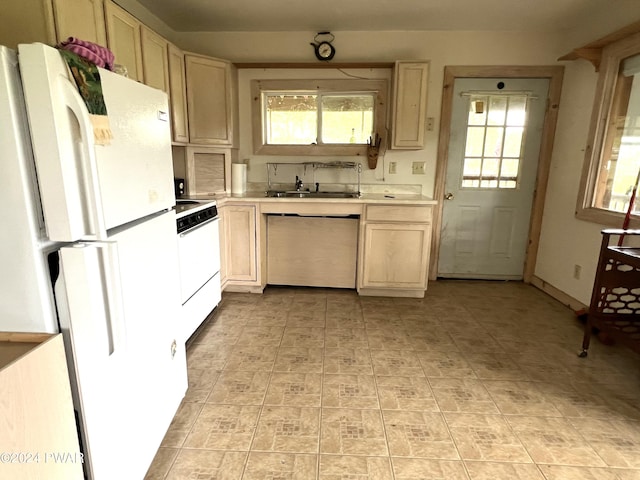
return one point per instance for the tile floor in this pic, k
(478, 380)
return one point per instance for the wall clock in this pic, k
(323, 49)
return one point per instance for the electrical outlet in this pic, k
(577, 270)
(430, 124)
(418, 168)
(392, 167)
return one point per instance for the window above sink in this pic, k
(317, 117)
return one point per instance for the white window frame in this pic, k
(612, 56)
(327, 86)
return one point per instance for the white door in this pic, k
(494, 146)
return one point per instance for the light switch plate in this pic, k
(392, 167)
(418, 168)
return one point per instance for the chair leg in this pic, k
(586, 339)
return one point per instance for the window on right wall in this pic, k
(612, 162)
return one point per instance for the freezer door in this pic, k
(87, 189)
(119, 305)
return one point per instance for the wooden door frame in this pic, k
(451, 73)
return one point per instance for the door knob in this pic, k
(448, 196)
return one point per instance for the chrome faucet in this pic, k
(299, 184)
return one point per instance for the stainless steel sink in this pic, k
(305, 194)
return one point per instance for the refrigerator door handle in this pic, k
(114, 303)
(93, 197)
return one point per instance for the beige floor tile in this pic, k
(294, 389)
(345, 318)
(201, 382)
(418, 434)
(348, 360)
(423, 468)
(477, 342)
(495, 366)
(299, 360)
(520, 398)
(303, 337)
(288, 429)
(261, 336)
(344, 467)
(262, 466)
(503, 471)
(561, 472)
(486, 438)
(207, 464)
(239, 388)
(617, 442)
(434, 340)
(352, 432)
(396, 362)
(273, 317)
(223, 427)
(462, 395)
(346, 338)
(181, 424)
(388, 339)
(252, 358)
(209, 356)
(219, 334)
(161, 464)
(405, 393)
(349, 391)
(553, 440)
(301, 317)
(450, 364)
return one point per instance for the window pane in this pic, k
(507, 184)
(517, 112)
(493, 142)
(347, 118)
(291, 119)
(490, 168)
(620, 163)
(471, 167)
(475, 141)
(497, 110)
(488, 183)
(471, 183)
(513, 141)
(509, 168)
(477, 111)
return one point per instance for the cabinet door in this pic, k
(123, 35)
(396, 255)
(240, 226)
(26, 22)
(178, 95)
(155, 62)
(83, 19)
(208, 170)
(409, 104)
(209, 100)
(222, 213)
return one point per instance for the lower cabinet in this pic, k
(39, 437)
(240, 265)
(395, 245)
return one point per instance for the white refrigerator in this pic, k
(89, 249)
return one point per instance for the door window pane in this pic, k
(493, 145)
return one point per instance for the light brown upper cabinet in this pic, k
(178, 95)
(209, 100)
(123, 35)
(51, 21)
(409, 104)
(155, 60)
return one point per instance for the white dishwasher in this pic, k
(312, 251)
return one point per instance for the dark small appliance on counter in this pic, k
(179, 186)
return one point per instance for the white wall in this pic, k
(565, 241)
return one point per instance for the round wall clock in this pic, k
(324, 50)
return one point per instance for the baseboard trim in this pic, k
(558, 294)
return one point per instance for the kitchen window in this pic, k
(317, 117)
(612, 163)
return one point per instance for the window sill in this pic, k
(312, 150)
(606, 218)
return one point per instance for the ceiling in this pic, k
(376, 15)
